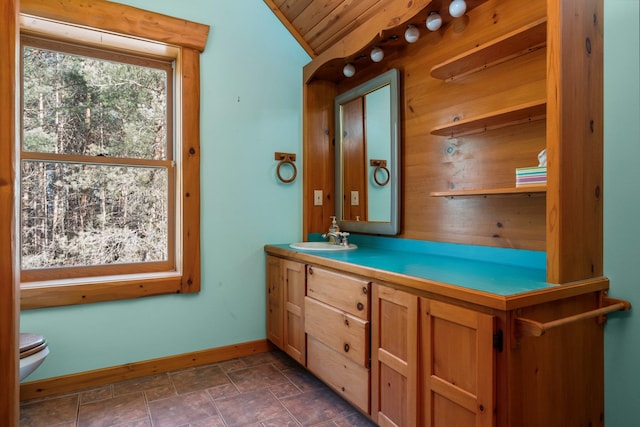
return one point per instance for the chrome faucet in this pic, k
(339, 237)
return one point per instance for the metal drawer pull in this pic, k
(532, 328)
(360, 306)
(346, 347)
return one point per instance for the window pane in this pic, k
(80, 105)
(82, 215)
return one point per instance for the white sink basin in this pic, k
(322, 246)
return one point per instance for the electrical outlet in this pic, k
(355, 198)
(317, 197)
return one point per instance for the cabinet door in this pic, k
(275, 310)
(294, 280)
(457, 366)
(394, 357)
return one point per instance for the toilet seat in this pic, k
(31, 344)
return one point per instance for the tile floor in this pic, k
(262, 390)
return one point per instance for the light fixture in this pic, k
(412, 34)
(434, 21)
(349, 70)
(377, 54)
(457, 8)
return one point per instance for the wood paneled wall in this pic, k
(488, 159)
(561, 74)
(318, 154)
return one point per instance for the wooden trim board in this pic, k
(98, 377)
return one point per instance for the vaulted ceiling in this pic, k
(318, 24)
(334, 32)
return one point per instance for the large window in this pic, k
(109, 161)
(97, 176)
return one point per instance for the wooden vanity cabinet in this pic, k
(275, 316)
(394, 357)
(457, 365)
(286, 288)
(337, 327)
(436, 363)
(432, 362)
(410, 352)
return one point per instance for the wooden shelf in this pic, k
(525, 189)
(517, 114)
(519, 42)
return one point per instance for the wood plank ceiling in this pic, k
(334, 32)
(318, 24)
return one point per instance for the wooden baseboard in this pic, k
(99, 377)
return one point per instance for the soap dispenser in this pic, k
(333, 228)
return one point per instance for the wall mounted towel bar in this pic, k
(531, 328)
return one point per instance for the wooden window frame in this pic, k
(101, 23)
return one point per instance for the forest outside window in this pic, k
(97, 168)
(109, 197)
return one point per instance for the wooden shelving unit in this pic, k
(519, 42)
(525, 189)
(517, 114)
(511, 45)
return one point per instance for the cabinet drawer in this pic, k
(344, 292)
(341, 331)
(346, 377)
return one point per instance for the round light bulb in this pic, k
(434, 21)
(457, 8)
(349, 70)
(377, 54)
(412, 34)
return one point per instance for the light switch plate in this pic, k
(355, 198)
(317, 197)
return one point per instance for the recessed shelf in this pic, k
(517, 114)
(525, 189)
(519, 42)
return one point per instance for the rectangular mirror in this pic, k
(368, 156)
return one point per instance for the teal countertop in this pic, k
(497, 271)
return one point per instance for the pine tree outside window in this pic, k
(97, 165)
(109, 159)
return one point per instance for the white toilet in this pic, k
(33, 351)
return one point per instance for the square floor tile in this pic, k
(250, 408)
(225, 390)
(284, 421)
(96, 394)
(182, 409)
(109, 412)
(354, 420)
(215, 421)
(142, 422)
(316, 406)
(303, 379)
(256, 377)
(141, 384)
(199, 379)
(52, 411)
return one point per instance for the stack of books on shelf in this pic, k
(534, 175)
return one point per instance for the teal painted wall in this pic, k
(378, 133)
(251, 78)
(252, 102)
(622, 208)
